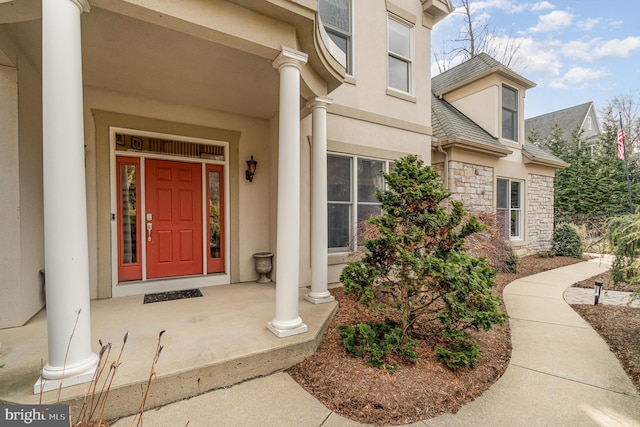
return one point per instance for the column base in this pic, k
(43, 385)
(313, 299)
(53, 377)
(283, 333)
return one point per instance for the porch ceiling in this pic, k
(133, 57)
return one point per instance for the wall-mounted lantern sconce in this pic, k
(251, 169)
(597, 286)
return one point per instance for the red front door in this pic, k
(173, 221)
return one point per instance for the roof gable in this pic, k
(451, 126)
(567, 119)
(474, 69)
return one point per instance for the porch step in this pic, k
(211, 342)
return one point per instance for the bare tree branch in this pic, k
(476, 37)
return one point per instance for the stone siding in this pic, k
(439, 167)
(539, 211)
(472, 185)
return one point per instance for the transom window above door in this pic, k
(145, 144)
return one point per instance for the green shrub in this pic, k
(417, 266)
(566, 241)
(461, 352)
(512, 262)
(546, 254)
(378, 341)
(623, 234)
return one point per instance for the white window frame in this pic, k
(516, 124)
(332, 30)
(354, 202)
(509, 210)
(409, 60)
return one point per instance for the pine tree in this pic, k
(594, 184)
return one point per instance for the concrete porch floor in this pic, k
(210, 342)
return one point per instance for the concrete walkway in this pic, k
(561, 374)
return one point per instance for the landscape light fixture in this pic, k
(598, 289)
(251, 169)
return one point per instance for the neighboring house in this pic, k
(484, 159)
(126, 128)
(581, 117)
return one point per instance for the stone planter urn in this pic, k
(264, 265)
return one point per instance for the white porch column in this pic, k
(65, 211)
(287, 322)
(319, 293)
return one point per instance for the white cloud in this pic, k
(596, 49)
(553, 21)
(540, 57)
(578, 76)
(589, 24)
(613, 25)
(618, 48)
(543, 5)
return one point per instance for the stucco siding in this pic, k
(10, 251)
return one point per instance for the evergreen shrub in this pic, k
(417, 269)
(378, 341)
(566, 241)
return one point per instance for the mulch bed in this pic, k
(420, 390)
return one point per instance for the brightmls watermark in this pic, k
(34, 415)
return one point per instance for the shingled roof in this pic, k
(535, 154)
(568, 119)
(452, 126)
(473, 69)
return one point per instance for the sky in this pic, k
(576, 51)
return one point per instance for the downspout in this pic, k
(445, 169)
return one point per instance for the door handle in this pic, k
(149, 228)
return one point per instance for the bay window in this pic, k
(336, 18)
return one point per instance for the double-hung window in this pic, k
(352, 182)
(336, 18)
(510, 113)
(400, 58)
(509, 208)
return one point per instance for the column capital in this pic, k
(319, 102)
(83, 5)
(291, 58)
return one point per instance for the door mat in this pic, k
(171, 295)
